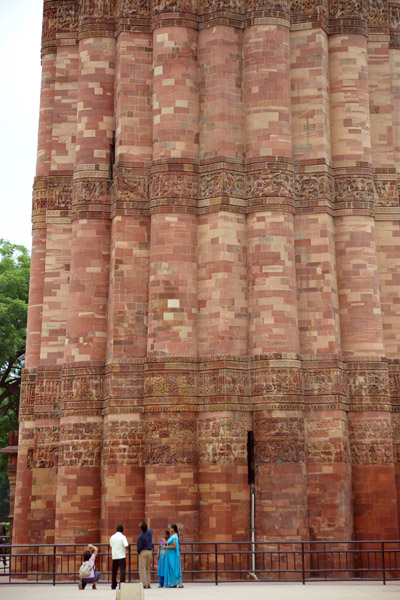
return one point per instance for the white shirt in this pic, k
(118, 543)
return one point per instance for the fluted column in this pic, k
(22, 529)
(170, 378)
(374, 503)
(273, 338)
(327, 452)
(123, 456)
(222, 283)
(78, 484)
(384, 78)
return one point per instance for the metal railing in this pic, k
(216, 562)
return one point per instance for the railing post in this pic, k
(383, 563)
(54, 564)
(129, 563)
(303, 572)
(216, 564)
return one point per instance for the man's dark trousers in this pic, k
(118, 563)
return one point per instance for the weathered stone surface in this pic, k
(215, 263)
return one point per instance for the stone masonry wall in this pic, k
(216, 244)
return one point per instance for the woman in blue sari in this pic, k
(173, 571)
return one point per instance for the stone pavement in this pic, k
(226, 591)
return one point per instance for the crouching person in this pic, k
(87, 572)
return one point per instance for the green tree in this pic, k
(14, 287)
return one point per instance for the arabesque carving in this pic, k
(173, 185)
(171, 454)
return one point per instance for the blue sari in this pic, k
(173, 571)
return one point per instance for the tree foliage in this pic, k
(14, 288)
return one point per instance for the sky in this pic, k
(20, 39)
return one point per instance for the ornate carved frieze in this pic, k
(378, 15)
(321, 382)
(130, 192)
(27, 395)
(221, 12)
(368, 386)
(170, 384)
(223, 428)
(386, 190)
(44, 455)
(222, 452)
(67, 16)
(123, 388)
(91, 197)
(371, 454)
(394, 24)
(171, 429)
(82, 389)
(276, 382)
(325, 428)
(224, 385)
(354, 194)
(217, 183)
(60, 24)
(370, 430)
(223, 440)
(348, 16)
(124, 443)
(274, 427)
(26, 435)
(133, 15)
(312, 190)
(96, 15)
(80, 444)
(174, 185)
(52, 193)
(175, 13)
(270, 186)
(282, 451)
(181, 453)
(318, 451)
(49, 27)
(309, 11)
(394, 384)
(267, 11)
(48, 393)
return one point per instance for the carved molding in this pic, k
(267, 428)
(279, 452)
(171, 453)
(303, 11)
(313, 186)
(378, 14)
(327, 452)
(214, 184)
(260, 184)
(365, 430)
(276, 382)
(174, 185)
(348, 16)
(371, 454)
(225, 452)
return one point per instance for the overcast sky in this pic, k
(20, 33)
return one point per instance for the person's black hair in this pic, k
(143, 526)
(86, 555)
(120, 528)
(174, 526)
(166, 532)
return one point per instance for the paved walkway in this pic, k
(226, 591)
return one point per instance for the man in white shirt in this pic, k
(119, 544)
